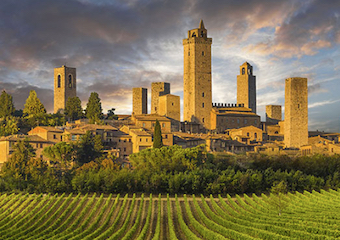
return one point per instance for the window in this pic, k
(188, 53)
(153, 124)
(36, 145)
(202, 119)
(202, 94)
(172, 104)
(163, 124)
(156, 109)
(124, 140)
(124, 149)
(143, 124)
(140, 139)
(129, 140)
(59, 81)
(146, 139)
(193, 35)
(119, 140)
(255, 135)
(247, 134)
(245, 121)
(74, 138)
(298, 105)
(243, 71)
(238, 120)
(41, 145)
(202, 34)
(69, 81)
(255, 121)
(202, 53)
(202, 105)
(54, 136)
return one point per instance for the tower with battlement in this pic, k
(197, 96)
(65, 86)
(246, 87)
(296, 113)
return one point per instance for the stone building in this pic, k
(273, 114)
(139, 101)
(51, 134)
(158, 89)
(65, 86)
(169, 106)
(246, 87)
(296, 113)
(197, 94)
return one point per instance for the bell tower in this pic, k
(246, 87)
(197, 76)
(64, 86)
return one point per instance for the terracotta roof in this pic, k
(31, 138)
(139, 132)
(97, 127)
(48, 128)
(75, 131)
(151, 117)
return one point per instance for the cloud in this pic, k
(322, 103)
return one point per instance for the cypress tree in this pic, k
(6, 105)
(157, 135)
(73, 109)
(94, 111)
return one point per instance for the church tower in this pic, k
(197, 76)
(64, 86)
(246, 87)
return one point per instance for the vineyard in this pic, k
(305, 215)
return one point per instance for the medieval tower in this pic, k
(197, 77)
(64, 86)
(246, 87)
(273, 114)
(296, 113)
(158, 89)
(139, 101)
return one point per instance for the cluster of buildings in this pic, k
(222, 127)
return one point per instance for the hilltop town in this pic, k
(233, 128)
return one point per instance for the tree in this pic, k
(73, 109)
(157, 136)
(89, 148)
(8, 126)
(62, 154)
(33, 106)
(94, 111)
(111, 114)
(6, 105)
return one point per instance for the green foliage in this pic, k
(73, 109)
(279, 189)
(94, 111)
(6, 105)
(89, 148)
(33, 106)
(8, 126)
(157, 136)
(61, 154)
(111, 114)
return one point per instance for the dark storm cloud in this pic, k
(20, 92)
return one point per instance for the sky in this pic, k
(118, 45)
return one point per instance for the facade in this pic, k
(169, 105)
(139, 101)
(197, 94)
(273, 114)
(51, 134)
(158, 89)
(252, 133)
(296, 113)
(246, 87)
(232, 116)
(65, 86)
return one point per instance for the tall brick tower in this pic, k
(246, 87)
(139, 101)
(158, 89)
(197, 76)
(65, 86)
(296, 112)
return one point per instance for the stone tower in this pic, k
(197, 76)
(158, 89)
(65, 86)
(169, 105)
(246, 87)
(139, 101)
(296, 113)
(273, 114)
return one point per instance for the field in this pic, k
(69, 216)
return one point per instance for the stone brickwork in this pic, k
(296, 113)
(158, 89)
(273, 114)
(139, 101)
(65, 86)
(197, 96)
(246, 87)
(169, 105)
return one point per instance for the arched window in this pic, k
(249, 71)
(243, 71)
(202, 53)
(202, 34)
(202, 105)
(59, 81)
(202, 94)
(70, 81)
